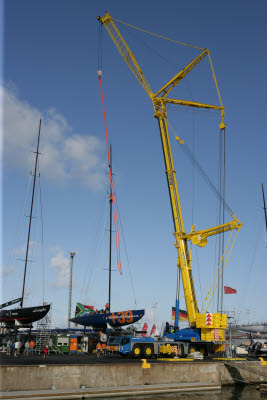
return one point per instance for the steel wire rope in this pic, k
(42, 233)
(220, 217)
(115, 215)
(224, 262)
(166, 60)
(217, 238)
(251, 266)
(93, 251)
(93, 248)
(99, 55)
(193, 205)
(201, 171)
(97, 253)
(126, 253)
(31, 251)
(159, 36)
(223, 207)
(151, 48)
(184, 44)
(21, 218)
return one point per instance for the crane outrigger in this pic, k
(200, 328)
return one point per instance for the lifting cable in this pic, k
(186, 149)
(223, 266)
(112, 194)
(222, 205)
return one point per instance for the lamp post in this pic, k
(72, 254)
(154, 306)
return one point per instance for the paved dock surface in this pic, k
(70, 359)
(66, 359)
(81, 359)
(122, 391)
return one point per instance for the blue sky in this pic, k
(50, 69)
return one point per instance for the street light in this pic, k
(154, 306)
(72, 254)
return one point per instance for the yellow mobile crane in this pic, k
(204, 326)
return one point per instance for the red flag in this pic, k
(144, 329)
(89, 307)
(153, 330)
(228, 290)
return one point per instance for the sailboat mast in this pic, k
(110, 231)
(30, 222)
(264, 207)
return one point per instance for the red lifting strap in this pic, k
(112, 195)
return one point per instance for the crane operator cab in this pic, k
(170, 329)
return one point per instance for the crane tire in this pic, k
(148, 351)
(136, 351)
(180, 351)
(192, 349)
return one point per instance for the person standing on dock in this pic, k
(45, 350)
(8, 343)
(16, 352)
(31, 344)
(98, 349)
(27, 346)
(104, 349)
(12, 348)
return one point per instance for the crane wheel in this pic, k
(180, 351)
(192, 349)
(148, 351)
(136, 351)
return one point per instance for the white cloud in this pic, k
(9, 270)
(61, 264)
(67, 156)
(19, 251)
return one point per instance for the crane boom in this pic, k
(125, 51)
(160, 101)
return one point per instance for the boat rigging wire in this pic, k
(18, 233)
(42, 233)
(126, 253)
(95, 249)
(117, 234)
(264, 208)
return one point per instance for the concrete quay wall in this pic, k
(36, 377)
